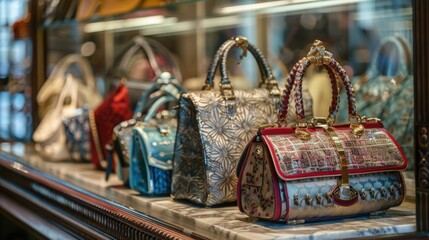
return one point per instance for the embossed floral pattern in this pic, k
(203, 120)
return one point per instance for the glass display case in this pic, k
(380, 44)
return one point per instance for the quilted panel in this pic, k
(374, 151)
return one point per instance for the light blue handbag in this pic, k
(151, 149)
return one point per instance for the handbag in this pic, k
(114, 109)
(387, 91)
(87, 90)
(317, 170)
(49, 136)
(122, 132)
(165, 82)
(151, 149)
(136, 64)
(77, 133)
(214, 126)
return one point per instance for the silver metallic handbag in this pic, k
(214, 127)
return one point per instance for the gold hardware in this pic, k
(272, 86)
(94, 132)
(259, 150)
(367, 119)
(321, 122)
(318, 54)
(207, 87)
(303, 134)
(343, 192)
(264, 126)
(242, 43)
(356, 127)
(227, 91)
(164, 131)
(301, 130)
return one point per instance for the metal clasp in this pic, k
(301, 130)
(227, 91)
(321, 122)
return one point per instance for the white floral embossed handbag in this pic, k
(214, 127)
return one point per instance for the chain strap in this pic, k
(95, 137)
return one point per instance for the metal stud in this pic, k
(296, 200)
(328, 198)
(319, 199)
(392, 190)
(308, 199)
(372, 192)
(362, 194)
(383, 192)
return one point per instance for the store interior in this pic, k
(371, 40)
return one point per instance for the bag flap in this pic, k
(156, 146)
(375, 151)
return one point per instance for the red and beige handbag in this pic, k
(318, 170)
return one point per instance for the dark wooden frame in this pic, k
(421, 110)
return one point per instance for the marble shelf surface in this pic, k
(225, 222)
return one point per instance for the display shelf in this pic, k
(77, 188)
(162, 9)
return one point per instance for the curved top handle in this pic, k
(220, 59)
(149, 47)
(403, 58)
(137, 43)
(318, 56)
(56, 79)
(161, 101)
(164, 84)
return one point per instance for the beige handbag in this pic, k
(87, 90)
(49, 136)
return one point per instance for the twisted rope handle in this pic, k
(319, 56)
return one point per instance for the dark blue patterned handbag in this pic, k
(76, 129)
(151, 150)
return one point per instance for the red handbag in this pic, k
(317, 170)
(113, 110)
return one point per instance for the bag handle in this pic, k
(403, 60)
(137, 43)
(147, 45)
(163, 84)
(284, 105)
(320, 57)
(220, 58)
(161, 101)
(56, 79)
